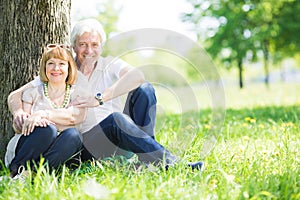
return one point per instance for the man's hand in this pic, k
(18, 120)
(86, 101)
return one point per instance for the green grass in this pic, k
(256, 156)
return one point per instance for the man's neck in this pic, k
(87, 71)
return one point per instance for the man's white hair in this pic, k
(88, 26)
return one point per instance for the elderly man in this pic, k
(108, 129)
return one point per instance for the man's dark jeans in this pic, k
(131, 131)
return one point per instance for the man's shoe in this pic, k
(196, 165)
(192, 165)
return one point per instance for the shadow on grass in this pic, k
(269, 113)
(273, 114)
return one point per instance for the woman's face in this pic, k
(57, 70)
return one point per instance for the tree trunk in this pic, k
(266, 63)
(26, 27)
(240, 66)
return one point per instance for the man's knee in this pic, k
(146, 88)
(119, 118)
(145, 92)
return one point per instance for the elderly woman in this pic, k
(39, 136)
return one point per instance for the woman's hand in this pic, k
(35, 120)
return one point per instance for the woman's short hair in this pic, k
(63, 54)
(87, 26)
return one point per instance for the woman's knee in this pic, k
(49, 132)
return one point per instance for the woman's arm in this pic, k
(62, 118)
(78, 116)
(66, 116)
(36, 119)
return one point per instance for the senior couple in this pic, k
(74, 106)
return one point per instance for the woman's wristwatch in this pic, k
(99, 98)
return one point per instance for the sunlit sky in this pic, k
(137, 14)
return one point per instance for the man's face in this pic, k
(88, 47)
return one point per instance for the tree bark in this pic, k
(25, 28)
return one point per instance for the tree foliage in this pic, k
(287, 41)
(242, 30)
(107, 12)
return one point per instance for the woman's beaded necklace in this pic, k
(66, 99)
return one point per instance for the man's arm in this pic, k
(14, 102)
(14, 99)
(130, 78)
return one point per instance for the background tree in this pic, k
(240, 30)
(228, 38)
(287, 42)
(107, 12)
(108, 15)
(26, 26)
